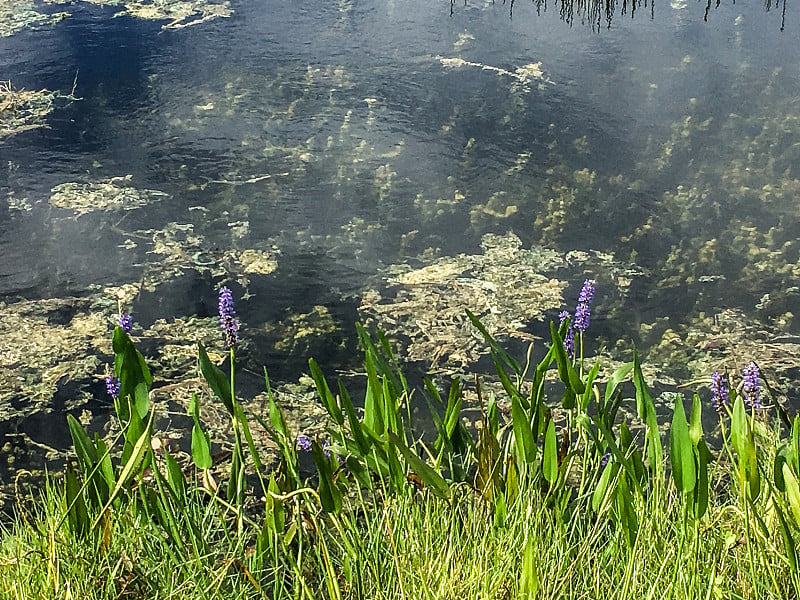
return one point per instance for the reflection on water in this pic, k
(353, 161)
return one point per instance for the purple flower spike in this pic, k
(583, 310)
(569, 337)
(227, 317)
(112, 386)
(304, 443)
(326, 448)
(605, 458)
(125, 322)
(751, 386)
(720, 394)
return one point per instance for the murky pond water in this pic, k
(392, 163)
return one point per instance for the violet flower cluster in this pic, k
(720, 392)
(227, 317)
(583, 310)
(569, 338)
(125, 322)
(113, 386)
(751, 386)
(581, 320)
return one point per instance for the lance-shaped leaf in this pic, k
(523, 436)
(681, 452)
(429, 477)
(550, 455)
(218, 381)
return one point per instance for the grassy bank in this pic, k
(556, 497)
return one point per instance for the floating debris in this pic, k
(16, 15)
(503, 286)
(112, 194)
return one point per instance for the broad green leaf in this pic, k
(496, 348)
(248, 436)
(744, 445)
(529, 578)
(550, 455)
(789, 545)
(617, 377)
(429, 477)
(217, 380)
(355, 425)
(175, 477)
(201, 444)
(566, 371)
(587, 394)
(782, 456)
(77, 513)
(84, 448)
(329, 494)
(131, 467)
(325, 394)
(602, 490)
(696, 421)
(796, 444)
(373, 400)
(134, 376)
(523, 436)
(704, 457)
(792, 492)
(681, 454)
(647, 412)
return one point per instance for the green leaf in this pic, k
(84, 448)
(373, 399)
(77, 513)
(201, 444)
(325, 394)
(792, 492)
(248, 436)
(175, 477)
(429, 477)
(603, 490)
(744, 444)
(529, 578)
(523, 436)
(681, 454)
(617, 377)
(566, 371)
(587, 394)
(647, 412)
(134, 376)
(329, 494)
(496, 348)
(550, 457)
(704, 457)
(217, 380)
(131, 467)
(696, 421)
(362, 442)
(788, 539)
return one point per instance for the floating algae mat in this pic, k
(16, 15)
(503, 286)
(115, 193)
(21, 110)
(179, 13)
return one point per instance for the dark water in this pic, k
(655, 128)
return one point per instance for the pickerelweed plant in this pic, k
(539, 499)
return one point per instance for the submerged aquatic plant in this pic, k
(227, 317)
(720, 393)
(751, 386)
